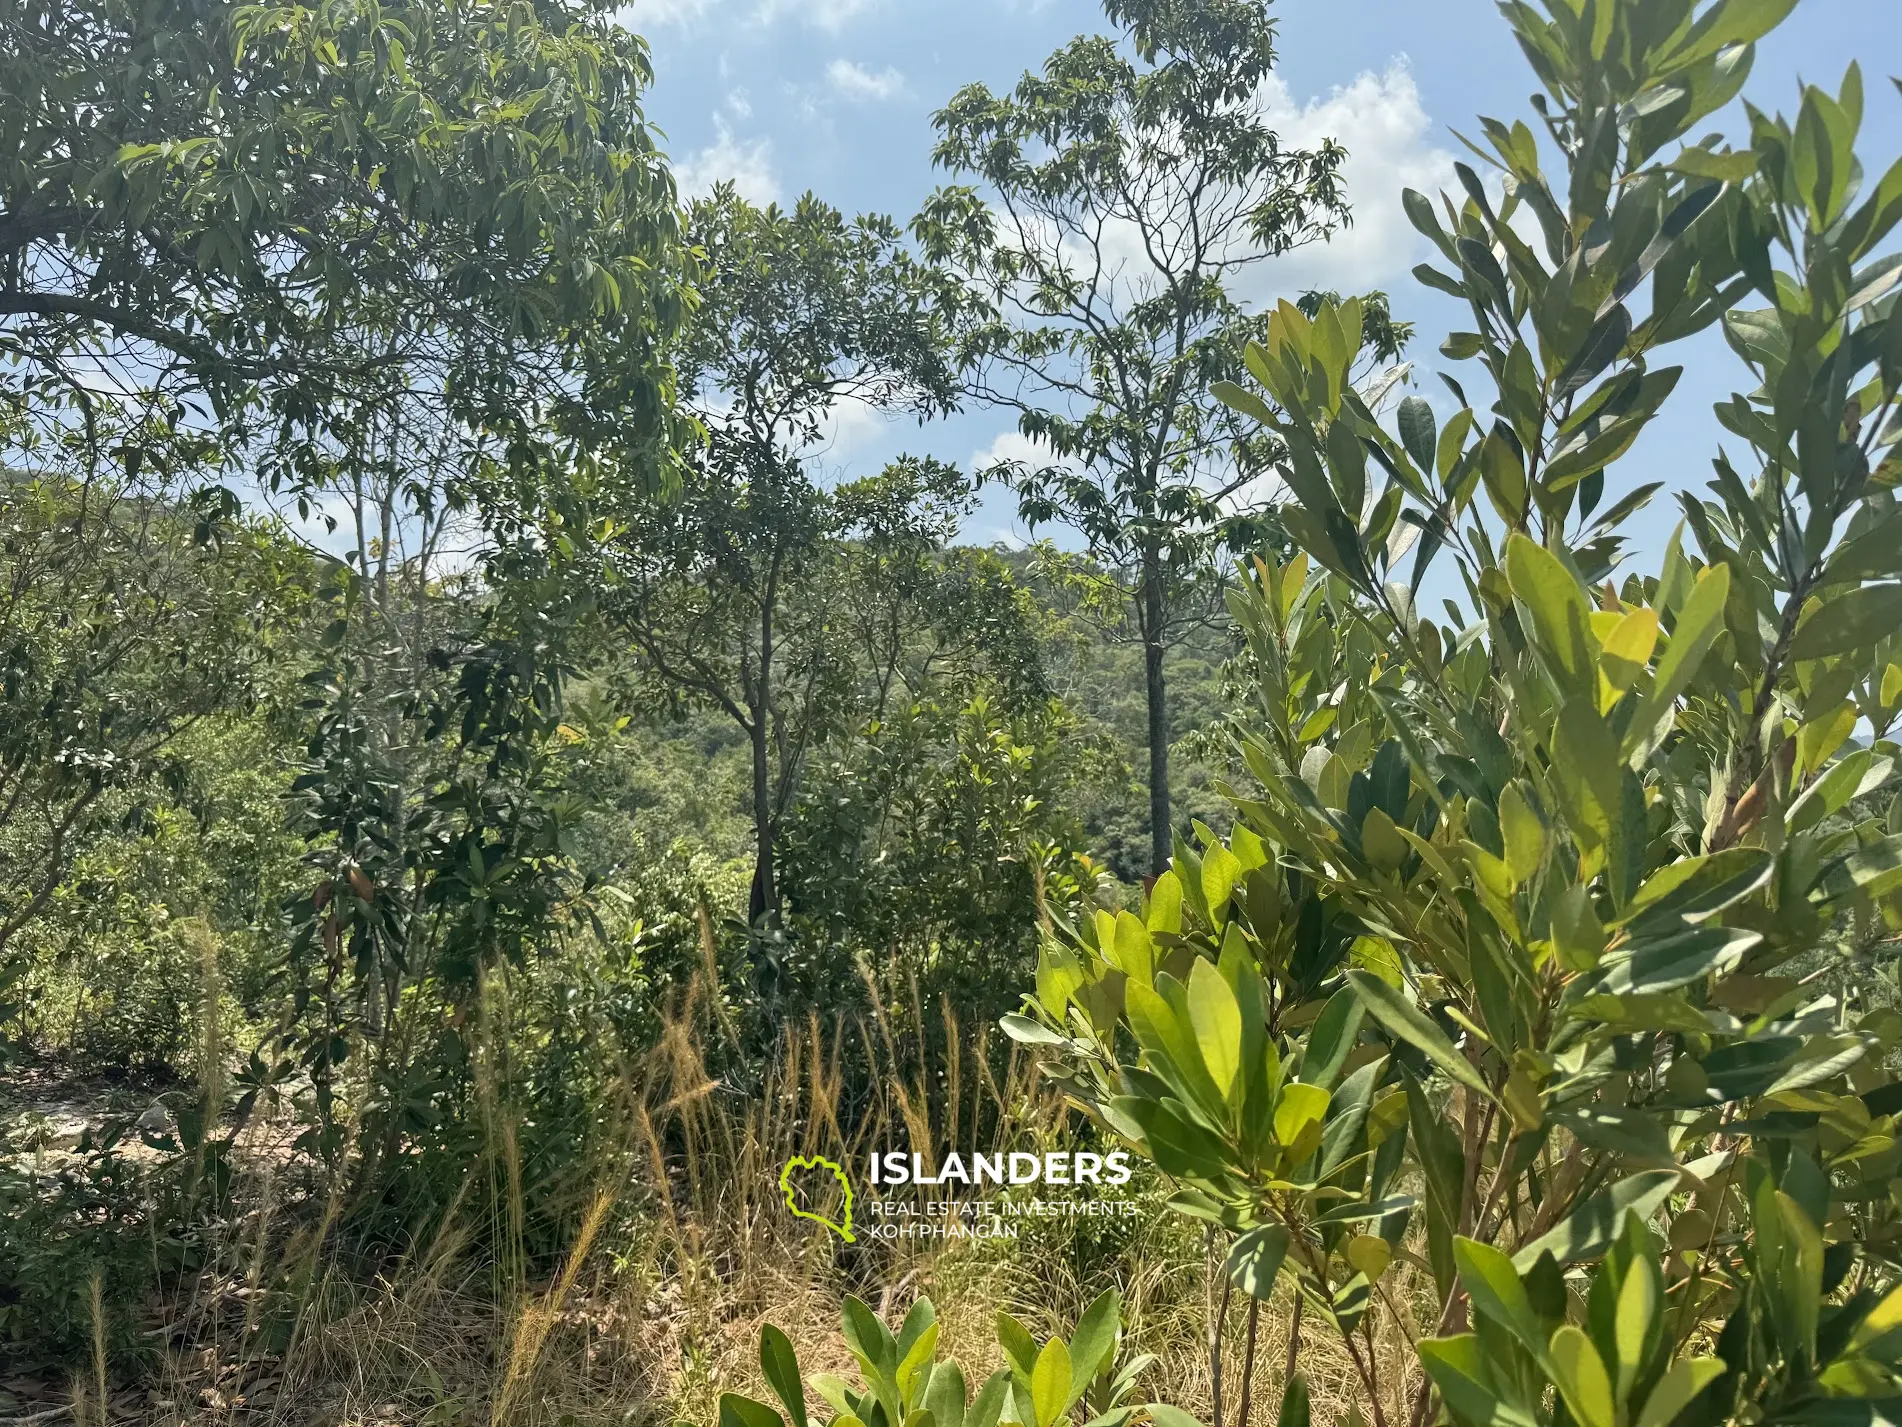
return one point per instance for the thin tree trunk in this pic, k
(765, 894)
(1161, 818)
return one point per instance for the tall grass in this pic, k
(682, 1248)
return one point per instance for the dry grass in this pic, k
(656, 1306)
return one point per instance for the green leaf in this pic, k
(1581, 1377)
(1493, 1285)
(1050, 1383)
(1590, 1228)
(1093, 1344)
(1299, 1107)
(1561, 618)
(1587, 771)
(944, 1395)
(1221, 870)
(737, 1411)
(1699, 622)
(1400, 1017)
(988, 1407)
(1669, 960)
(1216, 1018)
(1460, 1373)
(1332, 1039)
(1799, 1276)
(1417, 431)
(1524, 834)
(1681, 1382)
(1164, 912)
(1295, 1411)
(1854, 620)
(1633, 1319)
(780, 1366)
(1255, 1259)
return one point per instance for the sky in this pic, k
(836, 97)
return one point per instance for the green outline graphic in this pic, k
(844, 1231)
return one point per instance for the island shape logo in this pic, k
(798, 1162)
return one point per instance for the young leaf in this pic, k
(1216, 1018)
(1681, 1382)
(1580, 1374)
(1050, 1381)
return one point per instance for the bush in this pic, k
(1562, 914)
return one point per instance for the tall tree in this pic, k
(1121, 197)
(730, 593)
(282, 205)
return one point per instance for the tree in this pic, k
(1131, 188)
(731, 592)
(1579, 912)
(290, 208)
(129, 612)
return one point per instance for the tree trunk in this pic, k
(765, 895)
(1161, 820)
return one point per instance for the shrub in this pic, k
(1548, 930)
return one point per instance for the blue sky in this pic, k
(836, 96)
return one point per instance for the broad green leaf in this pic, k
(1823, 735)
(1020, 1349)
(779, 1364)
(1664, 961)
(1799, 1275)
(1590, 1228)
(918, 1357)
(1216, 1018)
(1560, 615)
(1581, 1377)
(988, 1407)
(1699, 622)
(1299, 1106)
(1399, 1017)
(1587, 772)
(1626, 655)
(1255, 1259)
(1135, 953)
(1050, 1383)
(1295, 1411)
(1459, 1372)
(944, 1395)
(1332, 1040)
(737, 1411)
(1221, 870)
(1164, 913)
(1684, 1379)
(1093, 1344)
(1370, 1255)
(1854, 620)
(1524, 834)
(1494, 1286)
(1632, 1322)
(1418, 431)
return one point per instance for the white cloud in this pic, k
(858, 83)
(1382, 124)
(848, 429)
(643, 15)
(832, 15)
(747, 162)
(828, 15)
